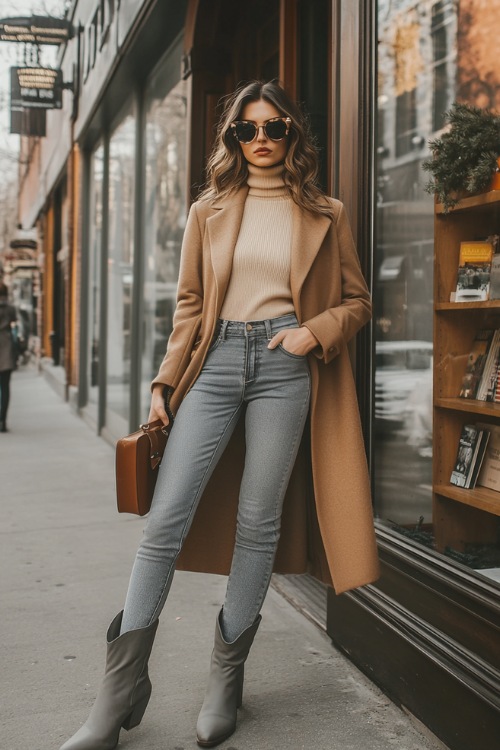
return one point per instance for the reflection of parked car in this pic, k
(402, 368)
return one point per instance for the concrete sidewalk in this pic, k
(66, 556)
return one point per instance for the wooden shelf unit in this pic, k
(460, 516)
(479, 497)
(491, 304)
(472, 203)
(481, 408)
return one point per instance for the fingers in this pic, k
(162, 414)
(157, 410)
(278, 338)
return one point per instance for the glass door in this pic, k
(94, 298)
(165, 212)
(121, 211)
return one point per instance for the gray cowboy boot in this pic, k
(217, 719)
(124, 692)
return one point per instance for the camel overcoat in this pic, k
(327, 522)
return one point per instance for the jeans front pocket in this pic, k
(290, 354)
(217, 338)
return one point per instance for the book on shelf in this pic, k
(476, 362)
(474, 271)
(489, 475)
(495, 241)
(495, 277)
(488, 380)
(496, 397)
(471, 449)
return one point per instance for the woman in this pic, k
(7, 357)
(270, 290)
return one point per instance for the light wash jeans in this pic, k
(272, 386)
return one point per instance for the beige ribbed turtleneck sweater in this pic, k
(259, 286)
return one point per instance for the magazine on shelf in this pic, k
(476, 362)
(474, 269)
(489, 476)
(470, 454)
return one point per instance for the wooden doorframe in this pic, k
(208, 65)
(288, 46)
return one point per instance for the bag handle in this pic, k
(153, 430)
(156, 448)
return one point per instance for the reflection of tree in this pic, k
(478, 74)
(121, 191)
(165, 191)
(120, 257)
(416, 82)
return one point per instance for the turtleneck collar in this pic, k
(267, 182)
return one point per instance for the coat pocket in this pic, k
(195, 346)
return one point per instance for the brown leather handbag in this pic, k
(138, 457)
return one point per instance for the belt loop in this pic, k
(223, 329)
(269, 330)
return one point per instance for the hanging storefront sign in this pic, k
(35, 30)
(36, 88)
(28, 122)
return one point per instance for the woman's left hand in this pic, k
(298, 341)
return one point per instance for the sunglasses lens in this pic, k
(276, 130)
(245, 131)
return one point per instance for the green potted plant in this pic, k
(466, 157)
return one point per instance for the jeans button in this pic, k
(249, 327)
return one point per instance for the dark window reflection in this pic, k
(95, 247)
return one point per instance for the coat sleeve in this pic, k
(335, 326)
(187, 315)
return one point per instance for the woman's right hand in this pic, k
(157, 410)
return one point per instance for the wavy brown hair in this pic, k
(227, 168)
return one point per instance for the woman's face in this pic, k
(263, 152)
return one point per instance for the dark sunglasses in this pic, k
(245, 131)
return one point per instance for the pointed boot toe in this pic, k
(212, 729)
(86, 739)
(217, 719)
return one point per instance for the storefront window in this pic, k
(165, 212)
(429, 54)
(403, 293)
(120, 265)
(95, 245)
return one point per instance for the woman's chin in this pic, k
(264, 160)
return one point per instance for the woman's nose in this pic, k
(261, 133)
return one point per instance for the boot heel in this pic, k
(135, 717)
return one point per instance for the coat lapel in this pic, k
(309, 231)
(223, 229)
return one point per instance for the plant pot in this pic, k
(495, 180)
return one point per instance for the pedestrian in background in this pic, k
(8, 318)
(270, 292)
